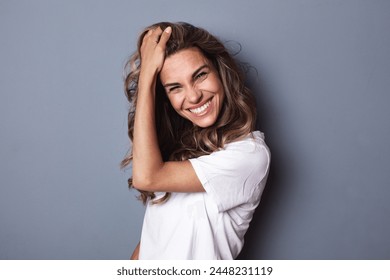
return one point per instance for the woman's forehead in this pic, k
(182, 64)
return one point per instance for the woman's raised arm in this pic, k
(150, 172)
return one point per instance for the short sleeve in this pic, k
(236, 174)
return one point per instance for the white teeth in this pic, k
(200, 109)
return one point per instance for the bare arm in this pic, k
(150, 172)
(135, 255)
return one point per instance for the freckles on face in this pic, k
(193, 86)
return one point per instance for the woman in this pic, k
(196, 159)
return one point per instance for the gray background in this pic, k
(322, 90)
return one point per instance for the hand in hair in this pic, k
(153, 49)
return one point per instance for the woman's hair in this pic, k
(178, 138)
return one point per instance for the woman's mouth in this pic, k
(201, 109)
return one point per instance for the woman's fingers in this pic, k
(151, 37)
(155, 34)
(153, 48)
(164, 37)
(158, 36)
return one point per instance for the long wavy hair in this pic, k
(178, 138)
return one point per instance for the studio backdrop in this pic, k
(320, 71)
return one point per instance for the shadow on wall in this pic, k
(259, 238)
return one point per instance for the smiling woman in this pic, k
(197, 93)
(197, 161)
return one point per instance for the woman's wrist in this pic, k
(147, 79)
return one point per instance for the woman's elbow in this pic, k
(143, 183)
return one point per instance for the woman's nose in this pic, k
(194, 95)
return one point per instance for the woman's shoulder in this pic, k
(252, 142)
(251, 151)
(244, 151)
(245, 158)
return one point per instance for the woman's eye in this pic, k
(173, 89)
(201, 75)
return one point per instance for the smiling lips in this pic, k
(201, 109)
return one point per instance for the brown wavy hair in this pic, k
(178, 138)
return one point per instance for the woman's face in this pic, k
(193, 86)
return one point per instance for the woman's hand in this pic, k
(153, 50)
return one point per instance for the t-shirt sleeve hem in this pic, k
(205, 183)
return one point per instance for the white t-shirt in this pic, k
(210, 224)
